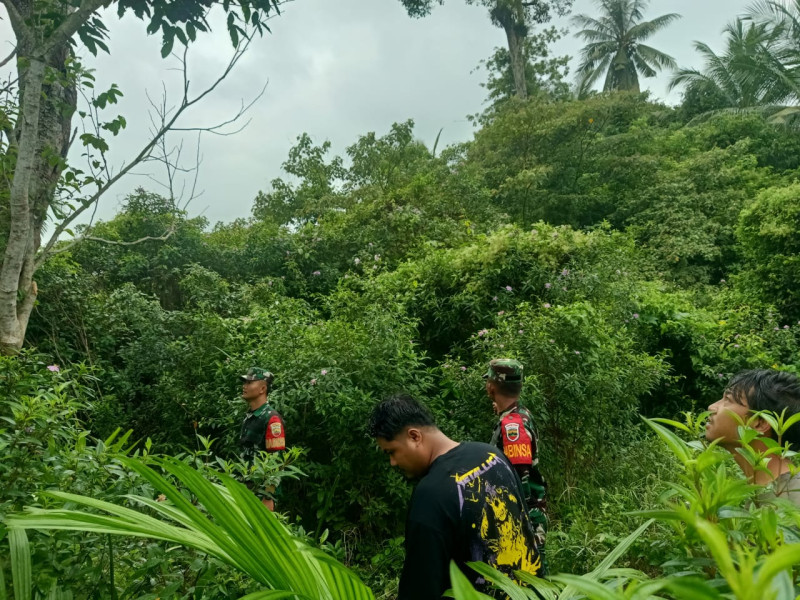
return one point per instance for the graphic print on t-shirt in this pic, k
(499, 533)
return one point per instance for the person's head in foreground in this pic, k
(747, 394)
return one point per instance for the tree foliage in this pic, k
(615, 45)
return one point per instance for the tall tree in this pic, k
(784, 20)
(515, 17)
(36, 125)
(752, 71)
(614, 45)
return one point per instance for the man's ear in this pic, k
(761, 425)
(414, 434)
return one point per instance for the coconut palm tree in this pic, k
(750, 72)
(783, 18)
(614, 45)
(759, 69)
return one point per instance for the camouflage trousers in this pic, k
(539, 521)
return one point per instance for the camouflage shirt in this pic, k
(262, 431)
(516, 436)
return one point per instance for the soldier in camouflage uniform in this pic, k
(263, 429)
(515, 435)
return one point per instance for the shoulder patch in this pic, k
(516, 440)
(276, 436)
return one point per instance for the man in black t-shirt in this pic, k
(468, 504)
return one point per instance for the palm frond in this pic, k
(642, 31)
(656, 57)
(232, 525)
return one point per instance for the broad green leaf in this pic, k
(20, 563)
(783, 558)
(462, 588)
(691, 588)
(269, 595)
(673, 442)
(546, 589)
(592, 588)
(500, 580)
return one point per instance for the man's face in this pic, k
(407, 453)
(722, 424)
(253, 389)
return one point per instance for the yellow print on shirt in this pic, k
(505, 535)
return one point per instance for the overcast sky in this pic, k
(337, 69)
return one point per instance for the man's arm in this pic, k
(426, 569)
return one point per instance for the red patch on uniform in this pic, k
(276, 438)
(516, 440)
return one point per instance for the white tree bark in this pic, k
(15, 310)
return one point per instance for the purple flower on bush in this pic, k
(53, 368)
(565, 272)
(313, 382)
(786, 327)
(502, 312)
(577, 351)
(377, 257)
(777, 329)
(722, 281)
(483, 332)
(509, 288)
(463, 368)
(317, 273)
(374, 267)
(547, 286)
(494, 298)
(736, 345)
(324, 372)
(635, 315)
(521, 331)
(552, 341)
(547, 305)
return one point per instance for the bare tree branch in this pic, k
(76, 241)
(167, 125)
(242, 110)
(8, 58)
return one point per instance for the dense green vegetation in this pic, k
(631, 254)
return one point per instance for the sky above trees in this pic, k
(337, 70)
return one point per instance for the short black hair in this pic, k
(771, 390)
(393, 414)
(508, 388)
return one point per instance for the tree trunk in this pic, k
(41, 138)
(511, 17)
(516, 51)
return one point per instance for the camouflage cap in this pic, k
(504, 369)
(257, 374)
